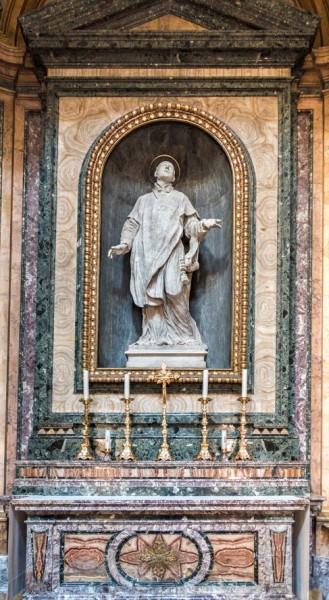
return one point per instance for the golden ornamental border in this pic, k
(240, 256)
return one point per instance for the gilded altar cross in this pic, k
(164, 378)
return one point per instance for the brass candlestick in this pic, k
(204, 453)
(164, 378)
(127, 454)
(107, 454)
(85, 450)
(243, 453)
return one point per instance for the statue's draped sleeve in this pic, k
(153, 232)
(193, 227)
(128, 232)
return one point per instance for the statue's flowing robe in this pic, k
(153, 231)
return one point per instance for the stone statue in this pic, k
(161, 271)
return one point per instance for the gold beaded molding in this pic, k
(237, 157)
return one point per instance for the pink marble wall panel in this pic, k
(302, 319)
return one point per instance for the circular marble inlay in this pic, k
(164, 557)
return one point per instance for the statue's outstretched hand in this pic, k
(211, 223)
(115, 250)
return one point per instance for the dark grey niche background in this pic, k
(206, 178)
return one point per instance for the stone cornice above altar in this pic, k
(266, 34)
(208, 505)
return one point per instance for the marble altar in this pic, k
(144, 529)
(185, 530)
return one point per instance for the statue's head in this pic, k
(165, 171)
(164, 168)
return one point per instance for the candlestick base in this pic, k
(85, 452)
(107, 455)
(225, 454)
(242, 455)
(164, 454)
(204, 454)
(127, 454)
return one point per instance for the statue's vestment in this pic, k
(153, 231)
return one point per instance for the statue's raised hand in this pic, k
(116, 250)
(211, 223)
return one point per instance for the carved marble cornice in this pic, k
(266, 33)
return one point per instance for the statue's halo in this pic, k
(162, 157)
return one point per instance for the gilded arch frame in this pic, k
(240, 252)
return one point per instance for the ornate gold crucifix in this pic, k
(164, 378)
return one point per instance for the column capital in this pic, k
(321, 62)
(11, 59)
(311, 80)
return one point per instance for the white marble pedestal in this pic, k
(146, 357)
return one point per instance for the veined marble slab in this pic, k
(81, 120)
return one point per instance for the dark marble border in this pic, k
(32, 133)
(46, 261)
(166, 87)
(46, 257)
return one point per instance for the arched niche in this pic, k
(215, 176)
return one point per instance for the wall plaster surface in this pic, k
(81, 120)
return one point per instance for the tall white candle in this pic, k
(127, 385)
(224, 439)
(205, 384)
(244, 383)
(107, 439)
(85, 384)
